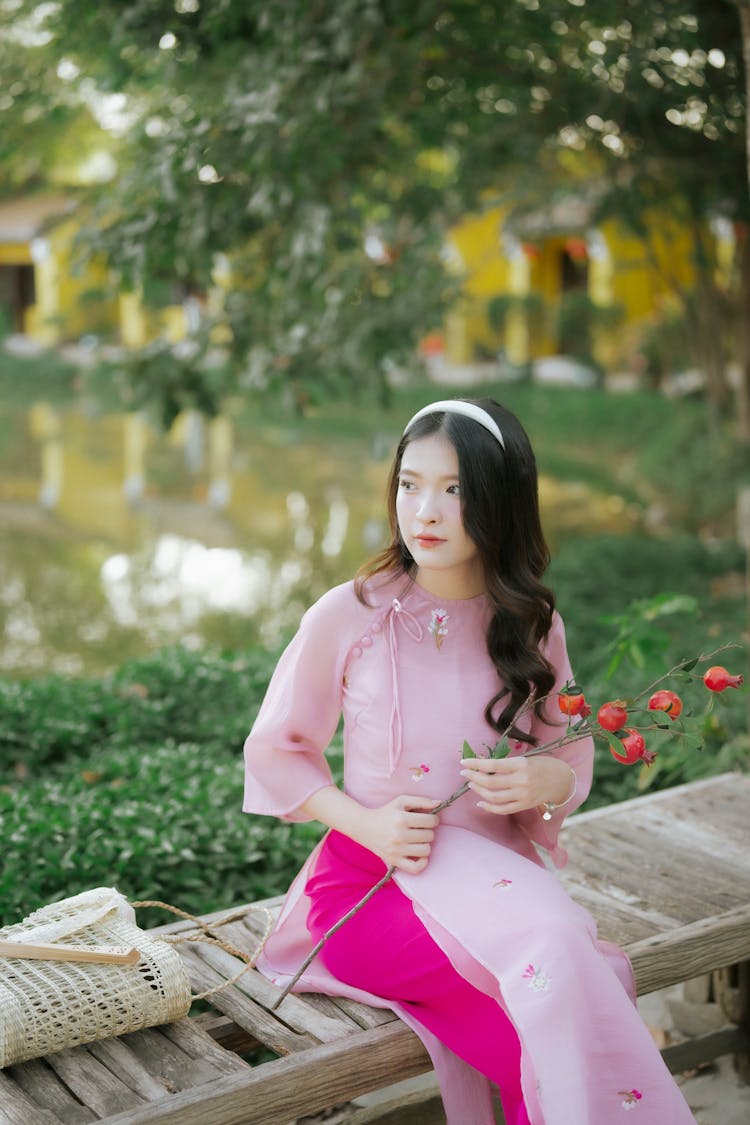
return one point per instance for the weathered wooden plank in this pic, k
(363, 1014)
(617, 858)
(249, 1015)
(327, 1007)
(92, 1083)
(16, 1108)
(707, 796)
(196, 1044)
(697, 1052)
(689, 951)
(125, 1065)
(45, 1089)
(224, 1031)
(163, 1058)
(712, 842)
(293, 1010)
(278, 1092)
(617, 920)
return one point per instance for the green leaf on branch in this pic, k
(467, 751)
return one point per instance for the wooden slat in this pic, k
(679, 955)
(225, 1032)
(610, 857)
(293, 1010)
(617, 921)
(363, 1015)
(278, 1092)
(197, 1044)
(125, 1065)
(45, 1089)
(162, 1057)
(18, 1109)
(92, 1083)
(249, 1015)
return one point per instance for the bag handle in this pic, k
(44, 951)
(207, 938)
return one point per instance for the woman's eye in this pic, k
(454, 489)
(406, 485)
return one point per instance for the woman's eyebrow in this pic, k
(414, 473)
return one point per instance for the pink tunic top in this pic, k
(411, 675)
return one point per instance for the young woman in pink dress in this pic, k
(473, 941)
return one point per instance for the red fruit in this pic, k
(718, 679)
(667, 701)
(572, 701)
(613, 715)
(634, 746)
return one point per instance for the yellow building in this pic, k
(47, 295)
(534, 283)
(546, 283)
(42, 292)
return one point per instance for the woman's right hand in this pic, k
(401, 832)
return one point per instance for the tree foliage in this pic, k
(283, 133)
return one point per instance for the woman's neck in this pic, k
(451, 585)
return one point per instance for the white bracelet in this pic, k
(549, 806)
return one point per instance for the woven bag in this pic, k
(47, 1005)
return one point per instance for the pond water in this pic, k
(118, 539)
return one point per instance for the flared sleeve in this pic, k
(285, 750)
(579, 755)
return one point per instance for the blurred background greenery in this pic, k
(240, 243)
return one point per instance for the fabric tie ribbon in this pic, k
(408, 622)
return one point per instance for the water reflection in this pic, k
(118, 539)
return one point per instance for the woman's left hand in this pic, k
(510, 785)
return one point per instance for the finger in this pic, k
(490, 793)
(414, 804)
(500, 810)
(421, 836)
(423, 820)
(412, 866)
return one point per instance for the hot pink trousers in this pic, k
(386, 950)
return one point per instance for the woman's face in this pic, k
(430, 519)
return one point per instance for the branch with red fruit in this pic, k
(617, 722)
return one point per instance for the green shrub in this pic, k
(162, 822)
(175, 694)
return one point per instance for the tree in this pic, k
(325, 148)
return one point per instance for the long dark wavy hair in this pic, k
(500, 507)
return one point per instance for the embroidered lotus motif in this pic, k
(538, 981)
(418, 773)
(438, 627)
(503, 884)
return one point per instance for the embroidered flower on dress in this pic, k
(538, 981)
(503, 884)
(630, 1098)
(419, 772)
(437, 627)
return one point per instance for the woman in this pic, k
(439, 642)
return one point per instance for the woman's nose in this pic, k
(428, 510)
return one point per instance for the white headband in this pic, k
(458, 406)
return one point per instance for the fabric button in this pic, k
(377, 627)
(356, 651)
(366, 642)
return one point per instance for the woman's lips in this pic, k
(428, 540)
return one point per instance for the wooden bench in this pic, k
(666, 875)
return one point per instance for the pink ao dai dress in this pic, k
(411, 675)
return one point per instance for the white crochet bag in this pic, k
(49, 1004)
(81, 969)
